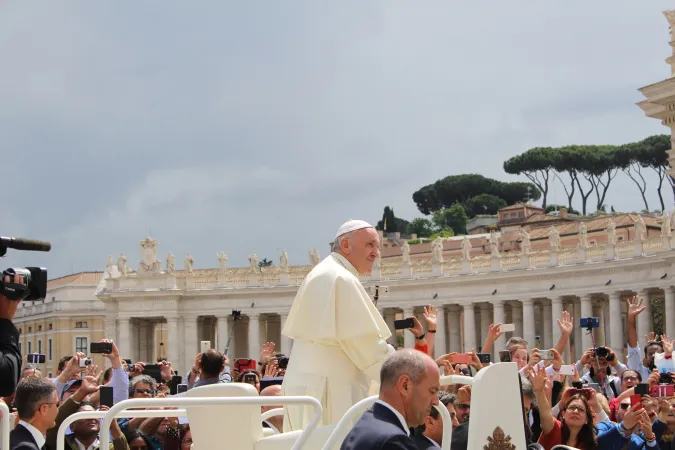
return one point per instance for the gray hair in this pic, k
(31, 393)
(526, 388)
(446, 398)
(141, 379)
(406, 361)
(338, 241)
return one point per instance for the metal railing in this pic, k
(272, 412)
(120, 410)
(456, 379)
(61, 433)
(4, 426)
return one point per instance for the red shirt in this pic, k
(554, 437)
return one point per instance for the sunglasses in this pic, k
(625, 405)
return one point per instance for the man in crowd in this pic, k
(429, 435)
(409, 385)
(36, 403)
(340, 339)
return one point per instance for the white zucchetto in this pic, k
(352, 225)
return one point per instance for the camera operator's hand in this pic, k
(8, 307)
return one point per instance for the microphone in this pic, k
(25, 244)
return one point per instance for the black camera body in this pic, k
(236, 314)
(35, 287)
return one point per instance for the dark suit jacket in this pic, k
(460, 437)
(422, 442)
(21, 439)
(378, 429)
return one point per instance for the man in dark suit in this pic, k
(429, 435)
(409, 385)
(36, 404)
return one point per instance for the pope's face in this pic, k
(362, 249)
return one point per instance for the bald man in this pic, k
(340, 339)
(275, 423)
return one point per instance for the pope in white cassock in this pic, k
(340, 339)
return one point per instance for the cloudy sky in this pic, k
(262, 126)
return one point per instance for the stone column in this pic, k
(253, 335)
(455, 329)
(669, 309)
(600, 331)
(578, 344)
(556, 314)
(110, 325)
(517, 317)
(498, 317)
(485, 322)
(191, 343)
(469, 328)
(172, 349)
(615, 323)
(223, 331)
(286, 342)
(644, 319)
(528, 322)
(143, 341)
(586, 311)
(440, 347)
(408, 338)
(547, 322)
(124, 342)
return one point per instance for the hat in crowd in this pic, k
(69, 385)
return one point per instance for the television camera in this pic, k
(35, 278)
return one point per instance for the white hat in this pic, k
(352, 225)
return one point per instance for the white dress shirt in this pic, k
(37, 435)
(398, 414)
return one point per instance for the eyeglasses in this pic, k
(625, 405)
(630, 378)
(145, 391)
(579, 409)
(186, 442)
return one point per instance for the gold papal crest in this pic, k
(498, 441)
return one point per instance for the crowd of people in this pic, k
(603, 401)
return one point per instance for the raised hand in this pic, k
(417, 329)
(557, 359)
(271, 369)
(494, 332)
(635, 306)
(566, 324)
(587, 357)
(137, 369)
(447, 357)
(266, 351)
(165, 370)
(535, 357)
(89, 384)
(430, 317)
(667, 344)
(632, 417)
(537, 377)
(651, 337)
(447, 368)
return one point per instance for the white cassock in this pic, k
(340, 343)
